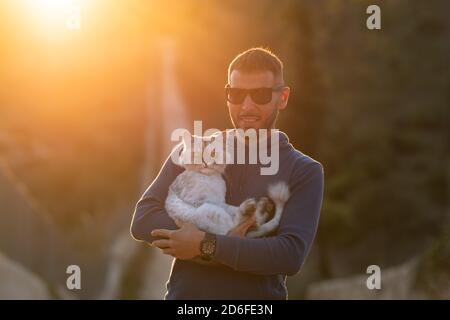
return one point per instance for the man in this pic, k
(245, 268)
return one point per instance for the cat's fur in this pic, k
(197, 195)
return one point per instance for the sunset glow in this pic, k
(65, 13)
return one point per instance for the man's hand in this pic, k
(241, 230)
(183, 243)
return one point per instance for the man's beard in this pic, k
(269, 123)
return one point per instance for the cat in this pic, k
(197, 195)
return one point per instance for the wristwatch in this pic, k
(208, 246)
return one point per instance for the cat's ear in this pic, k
(183, 154)
(186, 139)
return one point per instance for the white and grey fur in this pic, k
(197, 195)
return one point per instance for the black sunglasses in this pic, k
(258, 95)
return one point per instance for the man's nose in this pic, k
(248, 103)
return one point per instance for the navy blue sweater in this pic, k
(249, 268)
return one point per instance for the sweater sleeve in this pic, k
(150, 213)
(285, 252)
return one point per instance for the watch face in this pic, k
(208, 248)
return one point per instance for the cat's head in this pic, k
(205, 154)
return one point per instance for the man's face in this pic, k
(249, 114)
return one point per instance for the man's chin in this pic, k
(245, 125)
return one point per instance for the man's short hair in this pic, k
(257, 60)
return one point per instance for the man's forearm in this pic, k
(149, 217)
(273, 255)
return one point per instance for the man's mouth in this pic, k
(249, 118)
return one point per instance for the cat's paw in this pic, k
(248, 207)
(265, 207)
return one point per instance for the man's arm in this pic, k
(285, 252)
(149, 213)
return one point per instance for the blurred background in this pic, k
(91, 89)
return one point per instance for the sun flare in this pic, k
(51, 8)
(55, 11)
